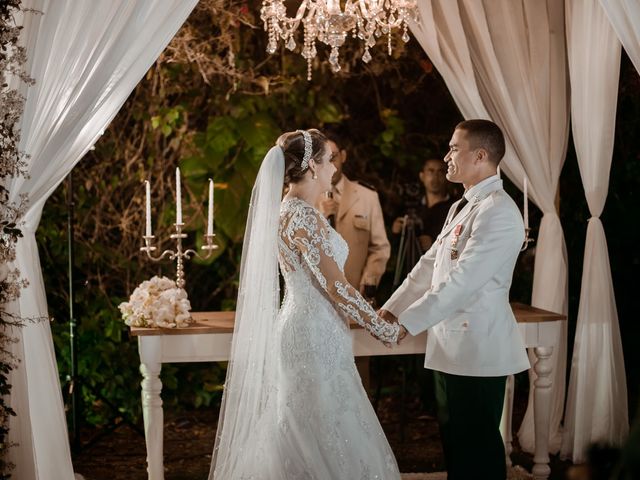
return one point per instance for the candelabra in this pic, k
(179, 254)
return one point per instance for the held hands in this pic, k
(391, 318)
(387, 315)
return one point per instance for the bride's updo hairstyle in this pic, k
(292, 144)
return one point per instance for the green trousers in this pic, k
(469, 412)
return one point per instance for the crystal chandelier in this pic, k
(328, 22)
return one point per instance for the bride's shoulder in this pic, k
(297, 206)
(296, 214)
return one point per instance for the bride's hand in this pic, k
(401, 334)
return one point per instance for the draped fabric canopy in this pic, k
(86, 58)
(624, 16)
(597, 399)
(505, 61)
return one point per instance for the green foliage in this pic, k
(167, 120)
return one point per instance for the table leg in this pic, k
(541, 412)
(506, 421)
(153, 418)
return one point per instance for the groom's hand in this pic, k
(387, 315)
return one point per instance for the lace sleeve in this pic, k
(309, 233)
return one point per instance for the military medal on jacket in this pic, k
(454, 241)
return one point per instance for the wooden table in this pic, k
(208, 339)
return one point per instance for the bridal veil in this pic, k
(252, 369)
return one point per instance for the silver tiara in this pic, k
(308, 149)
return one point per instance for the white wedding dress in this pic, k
(319, 423)
(293, 405)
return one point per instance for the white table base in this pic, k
(212, 347)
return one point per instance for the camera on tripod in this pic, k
(412, 196)
(409, 249)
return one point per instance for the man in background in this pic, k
(434, 206)
(354, 210)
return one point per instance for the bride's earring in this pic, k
(313, 175)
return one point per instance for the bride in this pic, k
(293, 405)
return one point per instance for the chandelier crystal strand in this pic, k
(331, 21)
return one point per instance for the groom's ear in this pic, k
(343, 155)
(481, 155)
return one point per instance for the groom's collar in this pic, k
(483, 188)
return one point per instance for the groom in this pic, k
(459, 291)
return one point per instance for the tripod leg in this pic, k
(397, 277)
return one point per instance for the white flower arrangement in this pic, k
(157, 303)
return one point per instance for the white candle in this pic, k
(210, 210)
(148, 209)
(498, 172)
(178, 197)
(526, 204)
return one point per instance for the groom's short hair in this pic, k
(485, 134)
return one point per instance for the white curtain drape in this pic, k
(86, 58)
(597, 397)
(505, 60)
(624, 16)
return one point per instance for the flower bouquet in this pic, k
(157, 303)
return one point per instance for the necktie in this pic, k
(460, 206)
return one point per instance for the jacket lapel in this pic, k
(460, 217)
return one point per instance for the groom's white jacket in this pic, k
(464, 301)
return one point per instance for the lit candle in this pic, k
(526, 204)
(148, 209)
(210, 210)
(178, 197)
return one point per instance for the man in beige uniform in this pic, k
(357, 215)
